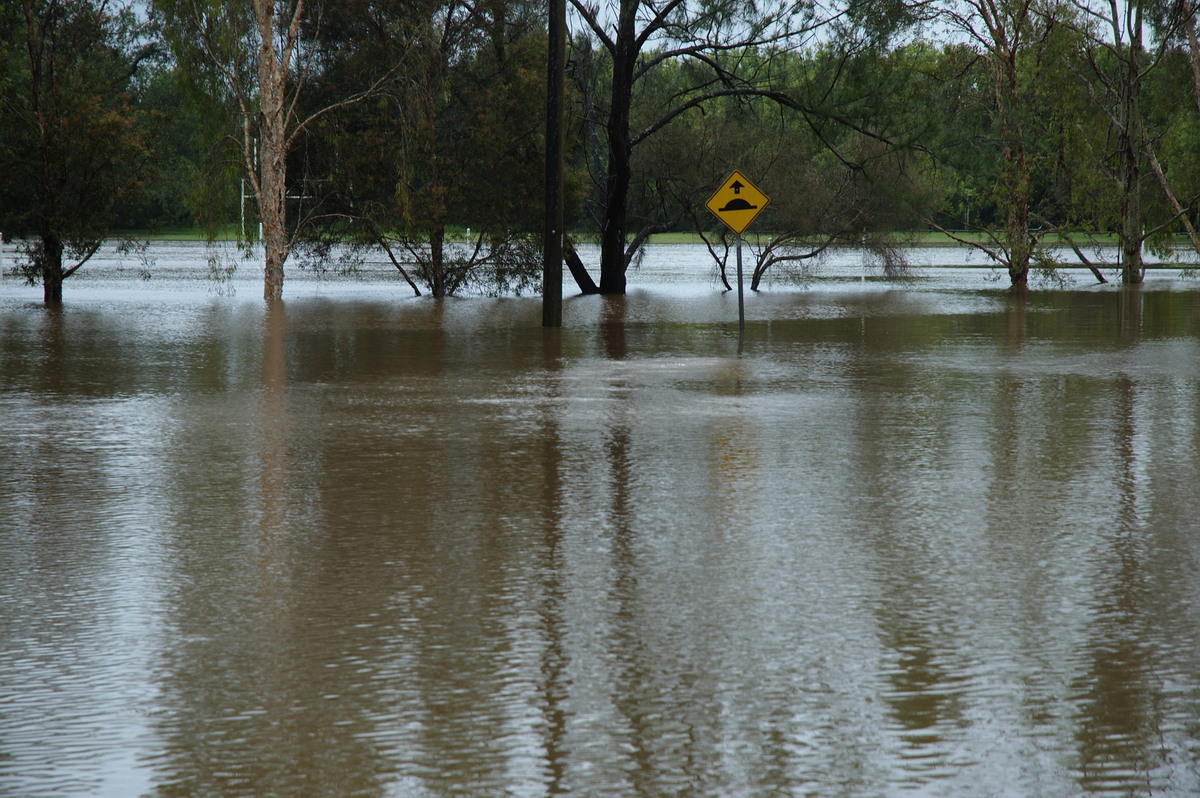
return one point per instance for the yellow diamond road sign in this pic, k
(737, 202)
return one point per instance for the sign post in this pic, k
(736, 203)
(741, 300)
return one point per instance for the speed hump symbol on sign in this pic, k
(737, 202)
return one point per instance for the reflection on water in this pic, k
(938, 542)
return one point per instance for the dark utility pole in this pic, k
(552, 260)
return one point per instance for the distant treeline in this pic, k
(388, 123)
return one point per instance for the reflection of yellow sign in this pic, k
(737, 202)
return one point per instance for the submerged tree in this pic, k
(1180, 126)
(1007, 33)
(71, 144)
(255, 59)
(1123, 45)
(454, 143)
(847, 177)
(717, 50)
(643, 66)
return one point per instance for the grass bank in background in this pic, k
(224, 233)
(923, 238)
(914, 239)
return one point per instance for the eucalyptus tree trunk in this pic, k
(1132, 224)
(1003, 30)
(1193, 50)
(1014, 178)
(273, 145)
(214, 40)
(1133, 269)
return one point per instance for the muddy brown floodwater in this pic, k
(920, 539)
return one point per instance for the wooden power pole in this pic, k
(552, 259)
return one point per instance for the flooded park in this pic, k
(899, 538)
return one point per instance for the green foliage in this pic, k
(73, 144)
(873, 126)
(455, 142)
(209, 90)
(170, 195)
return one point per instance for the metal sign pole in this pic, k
(736, 203)
(741, 302)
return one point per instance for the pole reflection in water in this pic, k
(940, 542)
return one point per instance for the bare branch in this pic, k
(589, 14)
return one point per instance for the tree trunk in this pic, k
(584, 280)
(1019, 277)
(1131, 226)
(1014, 178)
(272, 199)
(52, 270)
(612, 237)
(437, 261)
(1133, 269)
(1193, 48)
(1020, 242)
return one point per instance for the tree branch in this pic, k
(589, 16)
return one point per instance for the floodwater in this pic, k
(917, 539)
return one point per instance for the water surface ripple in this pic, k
(917, 540)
